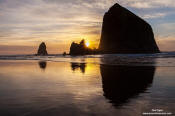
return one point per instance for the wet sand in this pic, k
(33, 88)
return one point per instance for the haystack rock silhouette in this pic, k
(122, 83)
(124, 32)
(42, 49)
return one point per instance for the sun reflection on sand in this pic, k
(81, 87)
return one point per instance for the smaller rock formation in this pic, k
(78, 49)
(42, 49)
(64, 54)
(81, 49)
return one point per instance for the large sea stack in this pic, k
(124, 32)
(42, 49)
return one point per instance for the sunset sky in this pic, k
(24, 24)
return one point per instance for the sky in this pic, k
(24, 24)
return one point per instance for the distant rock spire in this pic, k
(42, 49)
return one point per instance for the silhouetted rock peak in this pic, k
(81, 49)
(42, 49)
(115, 6)
(78, 48)
(124, 32)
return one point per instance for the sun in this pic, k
(87, 44)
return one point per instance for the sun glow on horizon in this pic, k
(87, 43)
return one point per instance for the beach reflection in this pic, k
(25, 89)
(121, 83)
(76, 66)
(107, 90)
(42, 64)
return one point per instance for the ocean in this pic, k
(90, 85)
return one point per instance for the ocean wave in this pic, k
(159, 59)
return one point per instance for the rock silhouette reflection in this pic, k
(42, 64)
(120, 83)
(80, 66)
